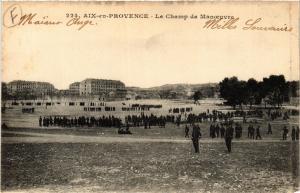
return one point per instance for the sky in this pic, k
(151, 52)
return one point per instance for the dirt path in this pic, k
(31, 137)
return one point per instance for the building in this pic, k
(32, 87)
(74, 88)
(103, 88)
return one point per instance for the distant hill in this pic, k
(183, 86)
(175, 91)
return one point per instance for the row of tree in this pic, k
(273, 90)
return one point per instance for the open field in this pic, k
(14, 117)
(150, 167)
(91, 159)
(171, 131)
(99, 160)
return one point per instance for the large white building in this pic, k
(102, 87)
(33, 87)
(74, 88)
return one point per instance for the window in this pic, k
(71, 104)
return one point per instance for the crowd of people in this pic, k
(220, 116)
(148, 121)
(63, 121)
(222, 124)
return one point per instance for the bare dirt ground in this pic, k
(48, 162)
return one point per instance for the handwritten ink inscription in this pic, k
(14, 16)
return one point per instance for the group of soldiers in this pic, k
(196, 135)
(227, 132)
(220, 116)
(62, 121)
(294, 135)
(148, 121)
(252, 131)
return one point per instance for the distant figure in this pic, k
(212, 131)
(187, 130)
(258, 132)
(285, 132)
(251, 132)
(4, 126)
(228, 137)
(222, 130)
(40, 121)
(127, 129)
(269, 129)
(297, 133)
(217, 128)
(195, 138)
(293, 133)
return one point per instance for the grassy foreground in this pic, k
(150, 167)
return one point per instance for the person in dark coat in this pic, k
(228, 137)
(269, 129)
(187, 129)
(293, 133)
(40, 121)
(222, 130)
(285, 132)
(258, 132)
(195, 138)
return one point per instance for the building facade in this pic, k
(102, 87)
(74, 88)
(32, 87)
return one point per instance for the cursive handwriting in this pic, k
(31, 19)
(221, 24)
(81, 23)
(13, 16)
(252, 24)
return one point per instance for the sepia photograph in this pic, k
(150, 97)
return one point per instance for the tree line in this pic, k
(273, 90)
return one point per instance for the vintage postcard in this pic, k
(150, 96)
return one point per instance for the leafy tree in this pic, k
(293, 88)
(276, 90)
(197, 96)
(253, 96)
(233, 91)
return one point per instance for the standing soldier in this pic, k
(258, 133)
(40, 121)
(228, 137)
(249, 131)
(187, 129)
(252, 132)
(285, 132)
(195, 138)
(222, 130)
(293, 133)
(217, 130)
(269, 129)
